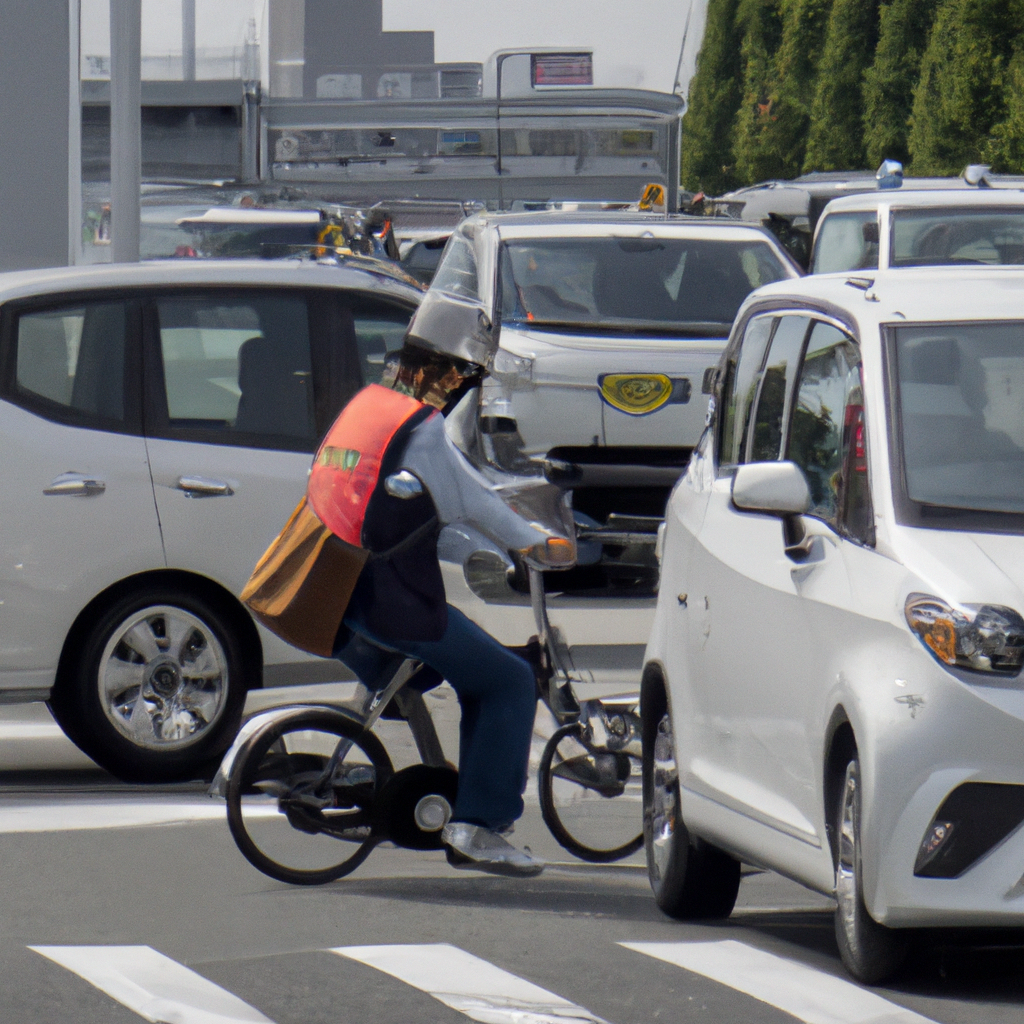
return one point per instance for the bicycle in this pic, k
(311, 790)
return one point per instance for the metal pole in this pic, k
(74, 134)
(188, 40)
(125, 128)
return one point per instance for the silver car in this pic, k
(607, 324)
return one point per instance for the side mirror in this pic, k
(774, 488)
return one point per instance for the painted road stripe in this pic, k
(84, 814)
(153, 985)
(470, 985)
(803, 992)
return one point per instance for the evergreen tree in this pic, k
(889, 81)
(759, 26)
(715, 92)
(835, 138)
(960, 96)
(772, 131)
(1006, 149)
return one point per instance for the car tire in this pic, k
(691, 879)
(177, 650)
(870, 952)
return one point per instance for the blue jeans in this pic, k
(497, 694)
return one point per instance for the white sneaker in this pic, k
(483, 849)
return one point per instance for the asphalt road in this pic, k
(122, 904)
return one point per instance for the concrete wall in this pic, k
(35, 89)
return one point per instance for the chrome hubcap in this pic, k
(664, 816)
(163, 678)
(848, 868)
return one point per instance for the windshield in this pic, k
(846, 242)
(957, 235)
(633, 283)
(961, 390)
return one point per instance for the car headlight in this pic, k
(977, 637)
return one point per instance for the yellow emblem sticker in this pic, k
(636, 393)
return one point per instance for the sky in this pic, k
(640, 48)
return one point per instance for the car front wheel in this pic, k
(870, 952)
(691, 879)
(155, 689)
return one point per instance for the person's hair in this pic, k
(435, 378)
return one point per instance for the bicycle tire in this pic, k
(550, 814)
(330, 722)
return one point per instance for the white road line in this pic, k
(153, 985)
(470, 985)
(803, 992)
(95, 814)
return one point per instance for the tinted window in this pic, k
(826, 438)
(961, 391)
(74, 357)
(956, 235)
(378, 330)
(846, 241)
(741, 386)
(776, 388)
(238, 365)
(633, 282)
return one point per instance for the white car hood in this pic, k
(968, 568)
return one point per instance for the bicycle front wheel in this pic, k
(590, 800)
(301, 797)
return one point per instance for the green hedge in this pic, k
(785, 86)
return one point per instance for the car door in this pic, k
(76, 500)
(241, 384)
(745, 625)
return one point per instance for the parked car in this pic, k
(832, 687)
(875, 231)
(791, 209)
(157, 422)
(607, 325)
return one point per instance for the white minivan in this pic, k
(832, 688)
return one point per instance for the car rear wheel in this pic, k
(871, 952)
(154, 689)
(691, 879)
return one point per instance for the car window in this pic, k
(845, 242)
(826, 435)
(456, 272)
(776, 387)
(633, 283)
(238, 368)
(956, 235)
(70, 361)
(379, 330)
(742, 374)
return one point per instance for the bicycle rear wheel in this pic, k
(301, 797)
(590, 800)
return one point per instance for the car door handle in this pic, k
(203, 487)
(75, 485)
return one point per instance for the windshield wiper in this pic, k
(686, 329)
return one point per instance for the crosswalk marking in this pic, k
(101, 814)
(470, 985)
(809, 995)
(153, 985)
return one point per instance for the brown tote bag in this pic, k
(301, 586)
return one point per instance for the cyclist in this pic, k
(398, 606)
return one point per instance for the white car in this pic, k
(833, 687)
(157, 422)
(920, 228)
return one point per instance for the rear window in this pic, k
(934, 237)
(633, 283)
